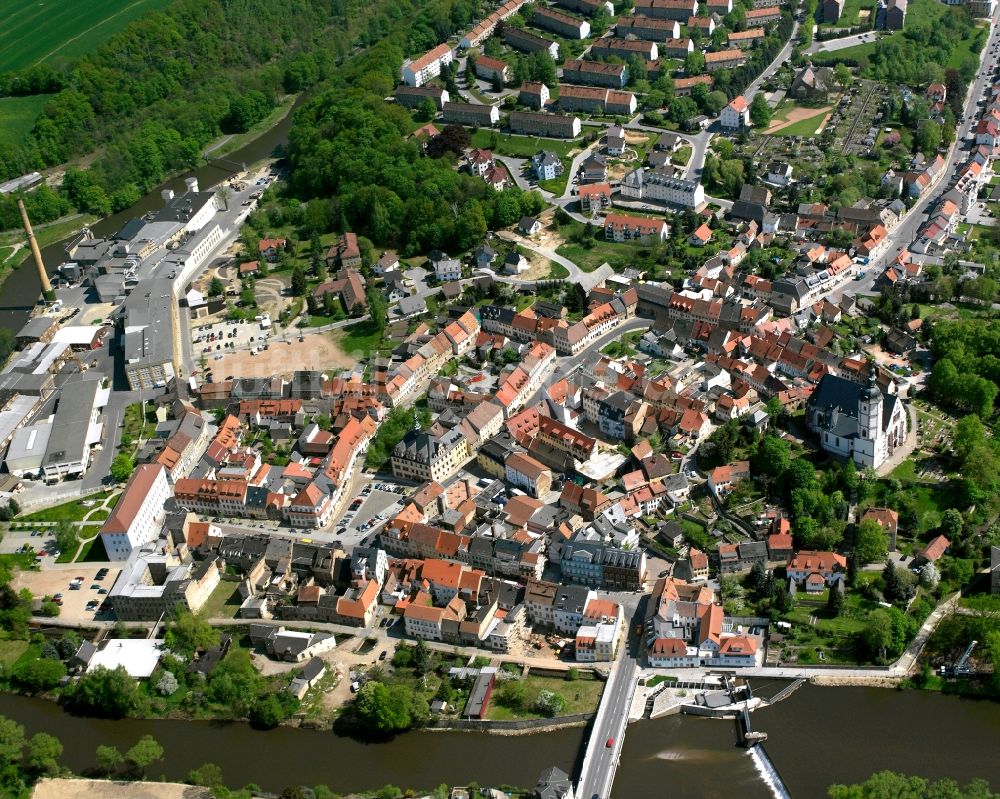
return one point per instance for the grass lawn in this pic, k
(47, 234)
(682, 156)
(929, 498)
(855, 53)
(318, 320)
(581, 696)
(363, 337)
(919, 13)
(17, 118)
(135, 425)
(804, 127)
(590, 258)
(69, 511)
(223, 603)
(10, 651)
(594, 252)
(523, 301)
(849, 16)
(99, 515)
(36, 32)
(557, 185)
(93, 551)
(557, 271)
(521, 146)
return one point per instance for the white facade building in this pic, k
(855, 421)
(646, 184)
(420, 70)
(139, 514)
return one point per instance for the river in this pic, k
(21, 288)
(816, 737)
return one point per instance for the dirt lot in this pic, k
(56, 581)
(798, 114)
(86, 789)
(540, 269)
(316, 351)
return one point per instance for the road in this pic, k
(576, 274)
(905, 232)
(566, 365)
(607, 734)
(698, 142)
(782, 58)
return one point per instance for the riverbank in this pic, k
(224, 145)
(46, 235)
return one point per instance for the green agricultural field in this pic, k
(17, 117)
(37, 31)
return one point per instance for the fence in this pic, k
(477, 725)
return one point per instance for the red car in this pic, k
(610, 743)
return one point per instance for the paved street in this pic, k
(566, 365)
(782, 58)
(604, 746)
(904, 233)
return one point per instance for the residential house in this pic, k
(492, 69)
(529, 226)
(736, 115)
(534, 95)
(680, 10)
(525, 472)
(414, 97)
(595, 73)
(724, 59)
(528, 42)
(816, 571)
(474, 114)
(701, 236)
(618, 227)
(532, 123)
(887, 519)
(565, 25)
(546, 165)
(420, 70)
(594, 196)
(624, 48)
(655, 30)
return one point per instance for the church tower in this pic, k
(870, 408)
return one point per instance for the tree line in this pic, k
(352, 161)
(157, 92)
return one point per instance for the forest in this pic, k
(936, 37)
(351, 160)
(967, 369)
(151, 98)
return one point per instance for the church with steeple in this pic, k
(856, 421)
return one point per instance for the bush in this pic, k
(42, 674)
(549, 703)
(167, 684)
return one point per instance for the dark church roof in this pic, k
(838, 398)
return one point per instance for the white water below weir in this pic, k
(768, 773)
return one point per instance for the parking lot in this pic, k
(362, 520)
(215, 339)
(55, 581)
(41, 541)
